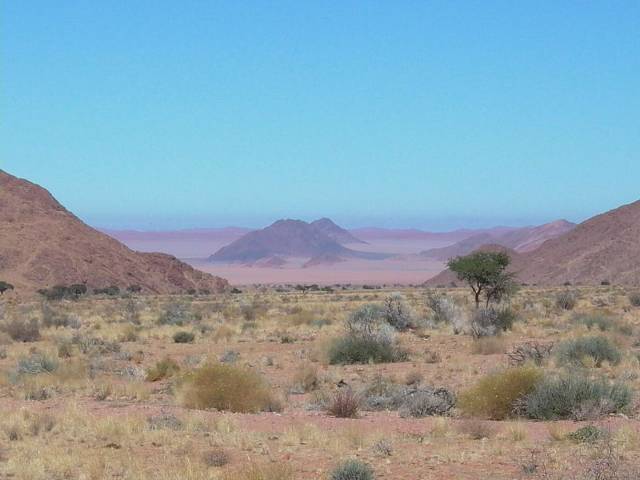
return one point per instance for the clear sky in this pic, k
(432, 114)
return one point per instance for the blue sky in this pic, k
(158, 114)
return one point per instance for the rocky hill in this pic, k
(42, 244)
(604, 248)
(523, 239)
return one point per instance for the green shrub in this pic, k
(225, 387)
(578, 351)
(495, 395)
(595, 320)
(506, 318)
(35, 364)
(352, 349)
(588, 434)
(352, 470)
(566, 300)
(576, 397)
(183, 337)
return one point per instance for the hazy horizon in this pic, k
(443, 226)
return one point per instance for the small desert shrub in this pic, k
(183, 337)
(566, 300)
(485, 322)
(352, 470)
(35, 364)
(344, 404)
(366, 320)
(495, 395)
(95, 345)
(305, 378)
(426, 402)
(22, 331)
(52, 318)
(176, 314)
(164, 421)
(441, 308)
(576, 397)
(444, 310)
(352, 349)
(383, 448)
(588, 434)
(225, 387)
(229, 356)
(488, 346)
(165, 368)
(584, 350)
(595, 320)
(65, 349)
(396, 312)
(634, 299)
(130, 334)
(533, 352)
(250, 310)
(216, 458)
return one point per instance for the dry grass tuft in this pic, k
(225, 387)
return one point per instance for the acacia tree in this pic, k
(485, 273)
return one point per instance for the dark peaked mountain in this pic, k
(333, 231)
(290, 238)
(43, 244)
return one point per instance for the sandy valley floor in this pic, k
(80, 401)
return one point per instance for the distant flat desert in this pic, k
(195, 246)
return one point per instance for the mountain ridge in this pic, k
(43, 244)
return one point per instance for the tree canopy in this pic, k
(485, 273)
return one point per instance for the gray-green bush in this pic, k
(599, 349)
(576, 397)
(352, 349)
(595, 320)
(566, 300)
(352, 470)
(396, 312)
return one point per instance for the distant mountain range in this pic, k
(521, 240)
(604, 248)
(42, 244)
(321, 241)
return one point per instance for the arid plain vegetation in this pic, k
(339, 383)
